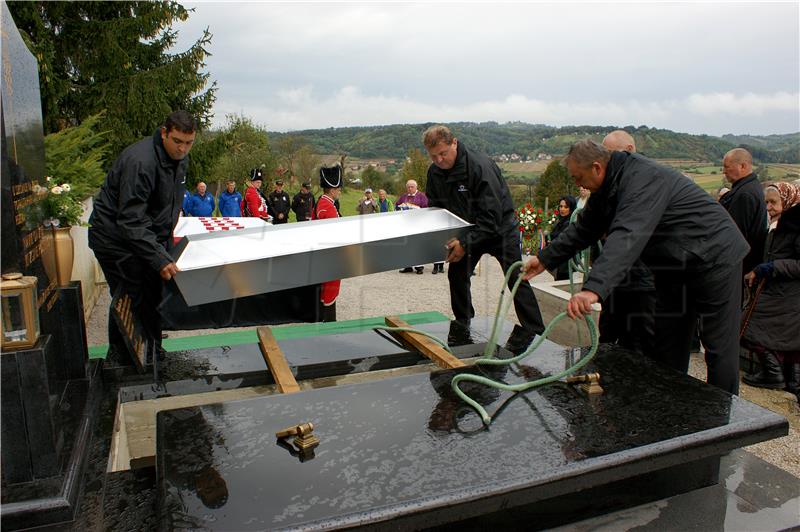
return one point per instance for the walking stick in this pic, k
(748, 313)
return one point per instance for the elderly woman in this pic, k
(771, 332)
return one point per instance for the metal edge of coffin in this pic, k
(421, 241)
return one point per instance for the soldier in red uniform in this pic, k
(330, 180)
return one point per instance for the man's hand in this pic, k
(581, 304)
(168, 271)
(749, 278)
(532, 268)
(454, 250)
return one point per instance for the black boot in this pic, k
(771, 374)
(791, 374)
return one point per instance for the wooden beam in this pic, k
(439, 355)
(276, 361)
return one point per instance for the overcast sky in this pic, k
(710, 67)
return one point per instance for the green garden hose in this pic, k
(488, 357)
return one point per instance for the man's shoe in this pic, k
(419, 271)
(407, 270)
(771, 374)
(519, 340)
(435, 270)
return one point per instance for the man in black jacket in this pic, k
(745, 203)
(303, 203)
(470, 185)
(686, 239)
(279, 204)
(134, 215)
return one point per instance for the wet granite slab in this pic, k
(406, 453)
(227, 367)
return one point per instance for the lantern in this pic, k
(20, 312)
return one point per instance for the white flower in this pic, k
(56, 190)
(66, 187)
(48, 178)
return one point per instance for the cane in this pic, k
(748, 313)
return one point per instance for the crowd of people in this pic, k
(674, 262)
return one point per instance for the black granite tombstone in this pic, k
(406, 453)
(48, 391)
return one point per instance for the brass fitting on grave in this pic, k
(303, 433)
(589, 383)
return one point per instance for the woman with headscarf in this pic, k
(566, 206)
(771, 332)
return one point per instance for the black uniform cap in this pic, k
(330, 177)
(255, 174)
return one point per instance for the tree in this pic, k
(307, 163)
(372, 178)
(246, 146)
(554, 183)
(75, 155)
(113, 56)
(288, 148)
(416, 168)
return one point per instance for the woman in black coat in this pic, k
(566, 206)
(771, 332)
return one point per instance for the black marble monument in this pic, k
(48, 392)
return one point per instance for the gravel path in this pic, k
(391, 292)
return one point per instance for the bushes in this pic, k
(76, 155)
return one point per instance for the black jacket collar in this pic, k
(743, 181)
(163, 157)
(613, 168)
(459, 169)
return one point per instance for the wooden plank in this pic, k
(276, 361)
(439, 355)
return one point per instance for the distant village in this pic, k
(514, 158)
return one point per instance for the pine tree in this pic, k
(75, 155)
(114, 57)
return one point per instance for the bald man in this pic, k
(628, 316)
(619, 140)
(745, 203)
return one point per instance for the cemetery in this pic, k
(344, 424)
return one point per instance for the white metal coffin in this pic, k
(223, 266)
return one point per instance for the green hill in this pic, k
(528, 140)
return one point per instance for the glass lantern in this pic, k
(20, 312)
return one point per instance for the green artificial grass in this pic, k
(285, 332)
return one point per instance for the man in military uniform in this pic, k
(330, 180)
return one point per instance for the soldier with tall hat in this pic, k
(254, 203)
(330, 180)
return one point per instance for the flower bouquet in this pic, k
(531, 228)
(55, 206)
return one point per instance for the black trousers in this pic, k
(126, 273)
(628, 319)
(506, 250)
(712, 297)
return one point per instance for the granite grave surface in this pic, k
(407, 449)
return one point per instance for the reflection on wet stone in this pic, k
(404, 445)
